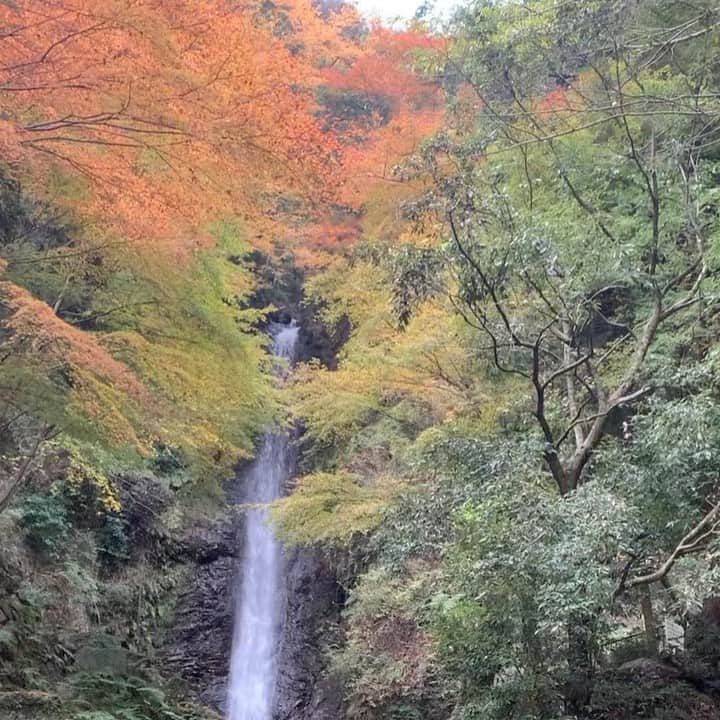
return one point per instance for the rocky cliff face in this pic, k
(196, 647)
(311, 618)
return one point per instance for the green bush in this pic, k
(44, 519)
(168, 460)
(112, 541)
(121, 698)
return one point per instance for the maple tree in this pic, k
(382, 108)
(157, 143)
(143, 143)
(153, 103)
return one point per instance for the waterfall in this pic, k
(257, 622)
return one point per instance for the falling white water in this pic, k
(253, 665)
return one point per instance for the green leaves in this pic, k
(416, 277)
(123, 698)
(46, 523)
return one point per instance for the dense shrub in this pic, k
(112, 540)
(128, 698)
(80, 498)
(168, 460)
(46, 524)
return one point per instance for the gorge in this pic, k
(354, 370)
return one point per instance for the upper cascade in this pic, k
(285, 338)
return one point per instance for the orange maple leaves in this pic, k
(401, 109)
(175, 113)
(34, 330)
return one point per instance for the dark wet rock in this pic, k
(144, 498)
(197, 646)
(101, 653)
(208, 543)
(317, 340)
(195, 652)
(312, 615)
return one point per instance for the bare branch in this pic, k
(691, 542)
(21, 474)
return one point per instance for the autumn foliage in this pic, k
(164, 140)
(157, 104)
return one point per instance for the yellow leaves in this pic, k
(66, 186)
(332, 508)
(112, 416)
(381, 364)
(356, 291)
(210, 388)
(333, 403)
(85, 480)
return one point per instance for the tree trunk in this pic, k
(580, 659)
(14, 483)
(649, 621)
